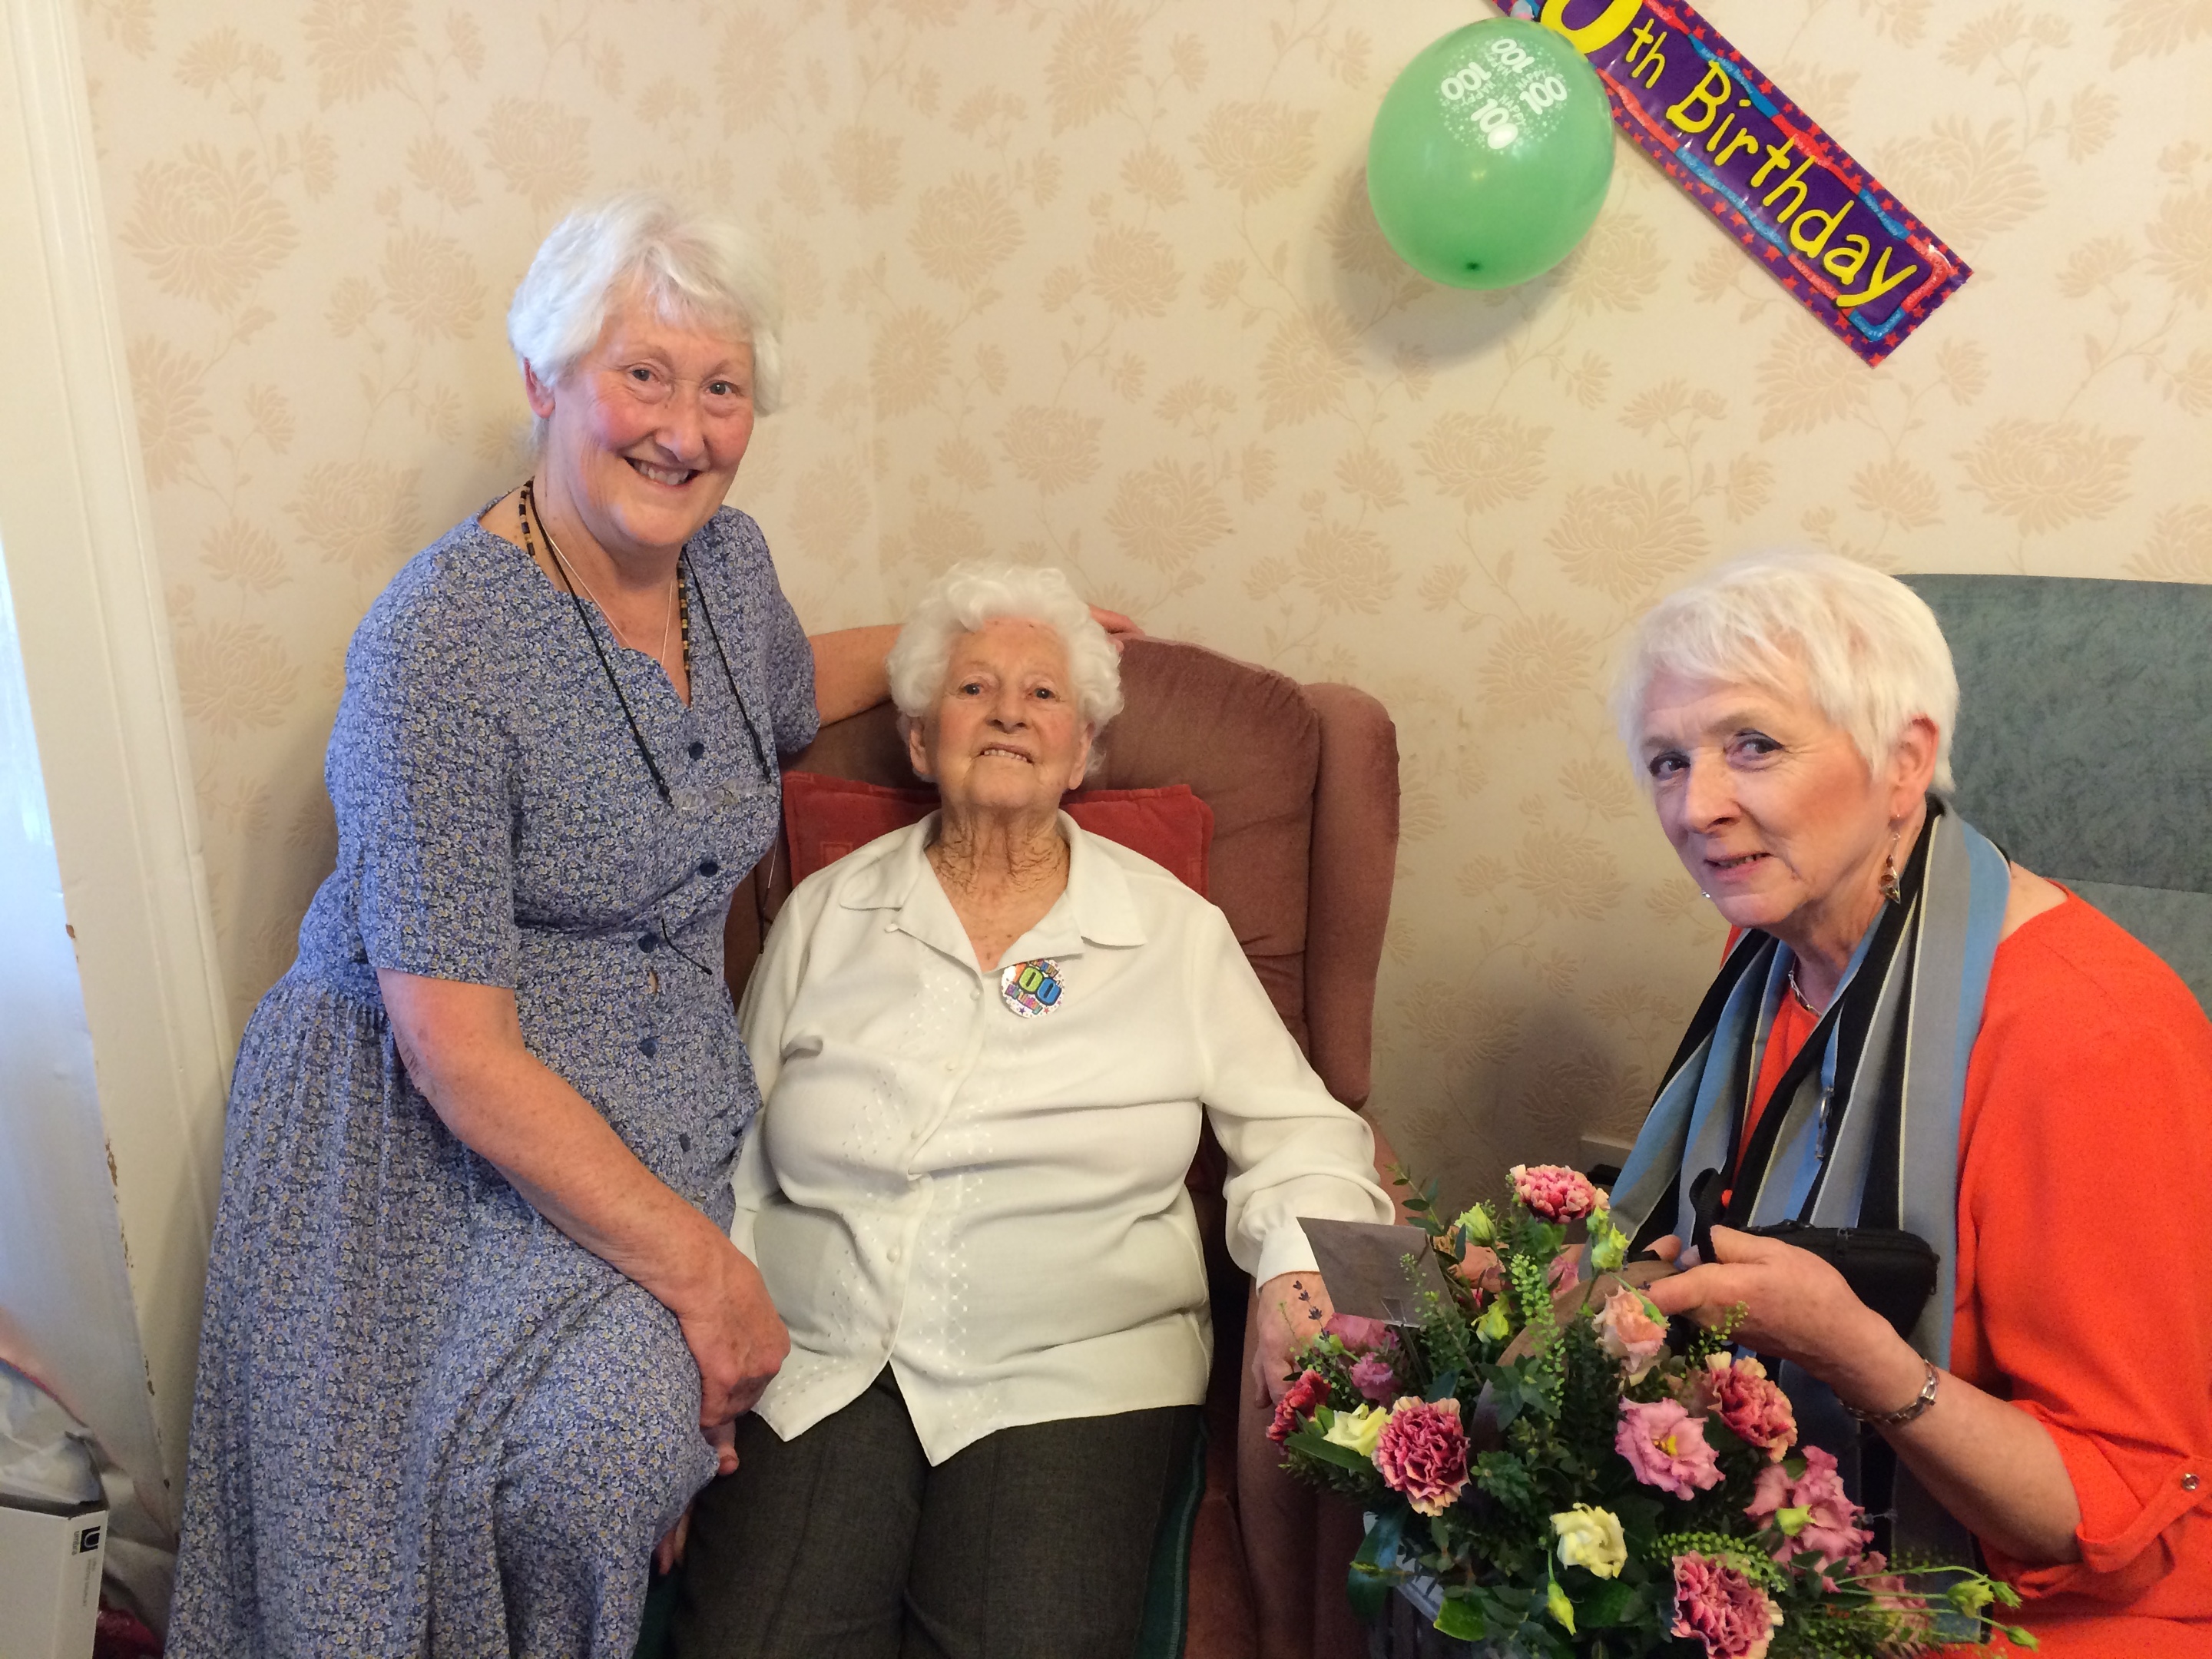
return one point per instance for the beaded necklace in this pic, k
(527, 508)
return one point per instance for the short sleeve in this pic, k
(420, 775)
(786, 658)
(790, 661)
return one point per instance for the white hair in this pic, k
(1868, 647)
(692, 268)
(970, 595)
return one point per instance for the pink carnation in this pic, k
(1740, 1393)
(1666, 1446)
(1626, 1330)
(1422, 1453)
(1723, 1609)
(1554, 1192)
(1811, 1512)
(1375, 1377)
(1298, 1401)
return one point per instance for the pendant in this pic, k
(1032, 988)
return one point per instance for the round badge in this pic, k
(1032, 988)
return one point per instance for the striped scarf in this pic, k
(1863, 1127)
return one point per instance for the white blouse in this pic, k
(994, 1204)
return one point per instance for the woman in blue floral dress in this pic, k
(475, 1328)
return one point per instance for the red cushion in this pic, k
(826, 818)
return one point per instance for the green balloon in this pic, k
(1491, 155)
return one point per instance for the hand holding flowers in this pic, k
(1577, 1487)
(1791, 1304)
(1291, 1308)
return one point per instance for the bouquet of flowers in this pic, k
(1579, 1490)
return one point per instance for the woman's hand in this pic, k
(1796, 1307)
(462, 1045)
(733, 1331)
(668, 1553)
(1119, 628)
(1991, 1465)
(1291, 1309)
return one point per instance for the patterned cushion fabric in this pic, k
(826, 818)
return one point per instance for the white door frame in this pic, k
(76, 534)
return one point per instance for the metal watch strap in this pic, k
(1920, 1402)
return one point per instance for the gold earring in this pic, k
(1890, 890)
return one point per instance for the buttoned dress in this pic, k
(426, 1421)
(993, 1204)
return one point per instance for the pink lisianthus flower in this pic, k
(1666, 1447)
(1553, 1191)
(1375, 1372)
(1740, 1393)
(1722, 1610)
(1627, 1331)
(1359, 1336)
(1298, 1401)
(1562, 1270)
(1422, 1453)
(1811, 1512)
(1375, 1377)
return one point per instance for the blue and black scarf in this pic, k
(1863, 1127)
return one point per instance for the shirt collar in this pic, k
(1096, 908)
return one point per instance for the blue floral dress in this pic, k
(427, 1423)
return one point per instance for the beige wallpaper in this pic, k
(1094, 282)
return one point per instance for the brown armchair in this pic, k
(1303, 781)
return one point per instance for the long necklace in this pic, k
(527, 508)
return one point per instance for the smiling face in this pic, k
(1006, 735)
(1772, 808)
(644, 434)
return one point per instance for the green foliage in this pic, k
(1718, 1338)
(1505, 1477)
(1312, 1442)
(1542, 1429)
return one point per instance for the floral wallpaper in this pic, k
(1094, 281)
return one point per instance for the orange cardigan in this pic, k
(2085, 1270)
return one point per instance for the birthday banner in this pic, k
(1822, 226)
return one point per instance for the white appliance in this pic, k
(49, 1567)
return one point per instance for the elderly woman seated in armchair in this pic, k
(987, 1045)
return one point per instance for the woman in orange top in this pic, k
(1912, 1033)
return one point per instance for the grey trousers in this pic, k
(1033, 1543)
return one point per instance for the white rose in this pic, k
(1591, 1538)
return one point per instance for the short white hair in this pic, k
(970, 595)
(692, 268)
(1868, 647)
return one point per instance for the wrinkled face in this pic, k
(1006, 735)
(1767, 802)
(645, 433)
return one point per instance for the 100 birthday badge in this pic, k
(1032, 988)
